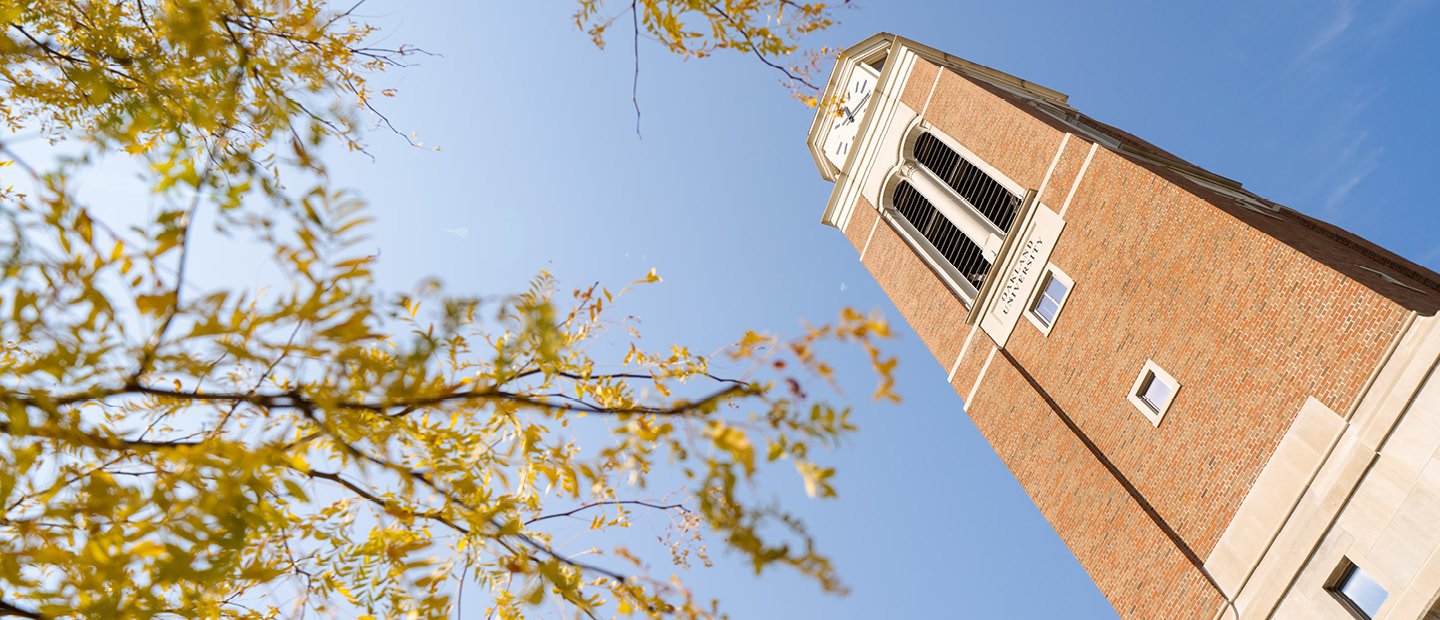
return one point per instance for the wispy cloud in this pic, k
(1346, 35)
(1375, 23)
(1341, 191)
(1357, 161)
(1342, 20)
(1350, 151)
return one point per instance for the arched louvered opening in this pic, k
(983, 193)
(958, 250)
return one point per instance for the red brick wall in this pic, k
(1066, 168)
(1248, 323)
(862, 222)
(1326, 243)
(1005, 136)
(925, 302)
(1134, 562)
(918, 85)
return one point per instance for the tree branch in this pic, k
(680, 507)
(100, 442)
(425, 480)
(387, 505)
(749, 40)
(635, 80)
(295, 400)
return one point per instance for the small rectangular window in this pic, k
(1156, 393)
(1049, 299)
(1358, 590)
(1153, 392)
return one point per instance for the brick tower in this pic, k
(1225, 408)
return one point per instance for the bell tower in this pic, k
(1224, 406)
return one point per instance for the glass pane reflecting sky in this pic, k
(1362, 590)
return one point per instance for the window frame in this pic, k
(912, 136)
(949, 274)
(1343, 572)
(1050, 272)
(950, 205)
(956, 194)
(1155, 412)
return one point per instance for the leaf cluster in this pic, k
(768, 30)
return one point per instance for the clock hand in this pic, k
(858, 106)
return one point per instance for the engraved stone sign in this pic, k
(1022, 274)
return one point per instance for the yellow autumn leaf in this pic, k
(155, 305)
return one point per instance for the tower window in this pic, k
(1050, 297)
(982, 192)
(1357, 590)
(1153, 392)
(958, 251)
(952, 208)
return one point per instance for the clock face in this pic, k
(840, 137)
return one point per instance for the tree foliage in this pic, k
(168, 449)
(769, 30)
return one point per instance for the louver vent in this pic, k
(959, 250)
(983, 193)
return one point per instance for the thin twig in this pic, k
(635, 80)
(424, 479)
(739, 27)
(295, 400)
(680, 507)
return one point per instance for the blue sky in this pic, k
(1325, 106)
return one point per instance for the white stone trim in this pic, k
(1016, 277)
(860, 53)
(1021, 88)
(1347, 500)
(933, 85)
(950, 378)
(1273, 497)
(873, 227)
(970, 398)
(850, 183)
(1081, 175)
(1341, 566)
(1045, 182)
(889, 158)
